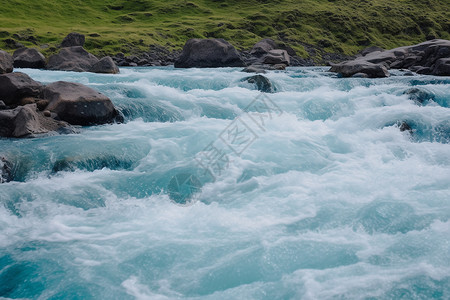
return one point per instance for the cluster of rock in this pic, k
(431, 58)
(214, 53)
(157, 56)
(30, 109)
(71, 57)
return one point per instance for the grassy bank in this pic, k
(130, 26)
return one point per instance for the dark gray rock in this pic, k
(208, 53)
(360, 75)
(27, 121)
(6, 170)
(78, 104)
(6, 62)
(419, 96)
(261, 82)
(349, 68)
(263, 47)
(254, 69)
(3, 105)
(75, 59)
(73, 39)
(105, 65)
(28, 58)
(16, 86)
(442, 67)
(277, 56)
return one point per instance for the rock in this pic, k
(27, 100)
(26, 121)
(277, 56)
(12, 44)
(73, 39)
(442, 67)
(15, 86)
(371, 49)
(254, 69)
(263, 47)
(75, 59)
(47, 113)
(349, 68)
(419, 96)
(6, 170)
(430, 57)
(403, 126)
(6, 62)
(28, 58)
(208, 53)
(262, 83)
(105, 65)
(78, 104)
(3, 105)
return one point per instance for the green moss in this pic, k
(130, 26)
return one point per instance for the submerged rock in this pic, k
(78, 104)
(28, 58)
(208, 53)
(92, 163)
(16, 86)
(6, 174)
(6, 62)
(262, 83)
(419, 96)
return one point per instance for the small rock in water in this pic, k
(5, 170)
(405, 127)
(262, 83)
(419, 96)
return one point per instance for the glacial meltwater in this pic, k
(328, 188)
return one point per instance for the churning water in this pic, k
(212, 190)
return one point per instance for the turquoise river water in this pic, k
(213, 190)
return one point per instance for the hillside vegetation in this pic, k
(130, 26)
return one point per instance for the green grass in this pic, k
(130, 26)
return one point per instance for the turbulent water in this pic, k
(212, 190)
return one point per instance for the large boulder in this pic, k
(16, 86)
(27, 121)
(78, 104)
(349, 68)
(28, 58)
(208, 53)
(6, 62)
(105, 65)
(263, 47)
(75, 59)
(73, 39)
(277, 56)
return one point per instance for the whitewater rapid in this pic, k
(327, 199)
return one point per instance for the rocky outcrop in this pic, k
(267, 55)
(262, 83)
(73, 39)
(6, 62)
(351, 68)
(263, 47)
(28, 58)
(78, 104)
(277, 56)
(105, 65)
(27, 121)
(208, 53)
(430, 57)
(16, 86)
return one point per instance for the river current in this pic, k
(211, 189)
